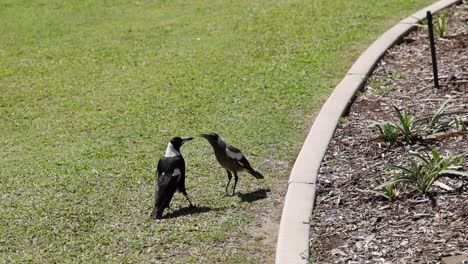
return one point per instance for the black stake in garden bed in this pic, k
(433, 52)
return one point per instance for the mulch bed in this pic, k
(350, 224)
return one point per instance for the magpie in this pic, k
(230, 158)
(171, 176)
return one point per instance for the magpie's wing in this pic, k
(236, 155)
(168, 177)
(180, 174)
(171, 168)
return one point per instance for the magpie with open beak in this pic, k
(231, 158)
(171, 176)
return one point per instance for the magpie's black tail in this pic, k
(161, 203)
(256, 174)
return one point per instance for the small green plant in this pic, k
(435, 120)
(409, 129)
(423, 170)
(440, 25)
(315, 244)
(385, 189)
(388, 132)
(312, 260)
(406, 126)
(331, 162)
(344, 120)
(459, 124)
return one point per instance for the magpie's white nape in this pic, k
(173, 147)
(170, 176)
(231, 158)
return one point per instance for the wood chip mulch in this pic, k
(350, 224)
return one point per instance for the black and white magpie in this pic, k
(171, 176)
(230, 158)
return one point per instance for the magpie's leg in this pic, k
(235, 183)
(229, 179)
(181, 188)
(186, 196)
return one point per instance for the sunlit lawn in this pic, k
(91, 91)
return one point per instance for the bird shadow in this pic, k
(188, 211)
(254, 196)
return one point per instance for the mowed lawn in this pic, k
(91, 92)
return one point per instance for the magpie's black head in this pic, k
(177, 142)
(211, 137)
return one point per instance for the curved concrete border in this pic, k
(293, 236)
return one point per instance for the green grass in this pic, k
(91, 91)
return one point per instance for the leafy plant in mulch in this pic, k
(409, 129)
(443, 120)
(420, 174)
(385, 189)
(405, 129)
(439, 23)
(435, 120)
(423, 169)
(388, 132)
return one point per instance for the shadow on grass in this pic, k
(253, 196)
(188, 211)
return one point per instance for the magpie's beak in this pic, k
(204, 136)
(186, 139)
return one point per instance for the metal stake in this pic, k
(433, 51)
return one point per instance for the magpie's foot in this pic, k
(156, 215)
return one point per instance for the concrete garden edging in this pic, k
(293, 236)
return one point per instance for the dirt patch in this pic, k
(266, 232)
(351, 225)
